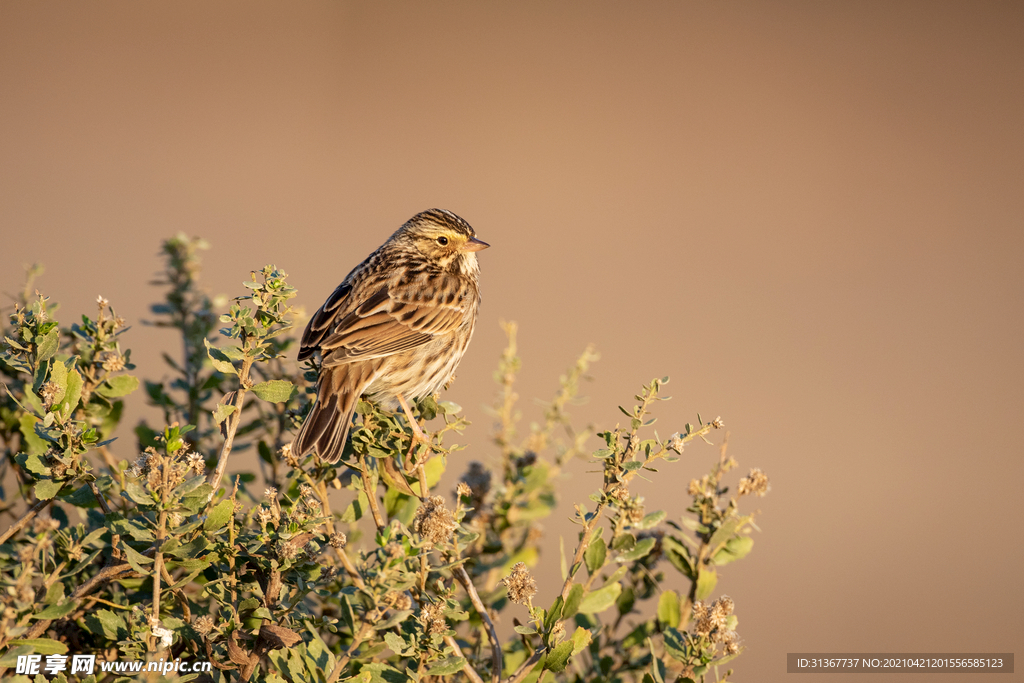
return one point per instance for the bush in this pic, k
(165, 560)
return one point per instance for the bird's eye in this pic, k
(443, 241)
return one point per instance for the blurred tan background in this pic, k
(810, 215)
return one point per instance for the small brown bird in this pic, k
(395, 329)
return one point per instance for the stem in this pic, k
(233, 421)
(321, 492)
(525, 667)
(581, 549)
(371, 494)
(497, 660)
(467, 669)
(356, 642)
(161, 533)
(25, 519)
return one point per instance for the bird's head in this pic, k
(442, 238)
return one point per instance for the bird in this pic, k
(394, 330)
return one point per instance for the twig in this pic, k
(231, 427)
(371, 493)
(525, 667)
(321, 492)
(467, 669)
(581, 549)
(356, 642)
(497, 660)
(38, 506)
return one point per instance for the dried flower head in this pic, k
(270, 493)
(717, 423)
(196, 462)
(286, 550)
(754, 483)
(338, 540)
(41, 525)
(48, 392)
(432, 618)
(203, 625)
(695, 487)
(286, 453)
(463, 490)
(676, 443)
(399, 600)
(113, 362)
(521, 586)
(702, 619)
(101, 302)
(434, 522)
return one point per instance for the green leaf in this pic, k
(32, 444)
(47, 489)
(219, 359)
(668, 609)
(706, 581)
(107, 623)
(557, 658)
(42, 646)
(554, 614)
(447, 666)
(564, 564)
(640, 550)
(116, 387)
(222, 412)
(197, 498)
(74, 394)
(135, 558)
(652, 519)
(525, 630)
(601, 599)
(35, 464)
(138, 493)
(572, 602)
(275, 390)
(356, 509)
(595, 555)
(46, 348)
(580, 639)
(219, 515)
(395, 642)
(56, 611)
(726, 531)
(59, 376)
(736, 548)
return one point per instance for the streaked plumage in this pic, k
(397, 326)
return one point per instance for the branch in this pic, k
(231, 427)
(497, 660)
(25, 518)
(467, 669)
(525, 667)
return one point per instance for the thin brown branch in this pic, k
(370, 488)
(497, 660)
(233, 420)
(38, 506)
(526, 666)
(467, 669)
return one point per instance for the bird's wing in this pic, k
(323, 320)
(398, 316)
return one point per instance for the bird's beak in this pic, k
(475, 245)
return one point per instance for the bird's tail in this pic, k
(326, 427)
